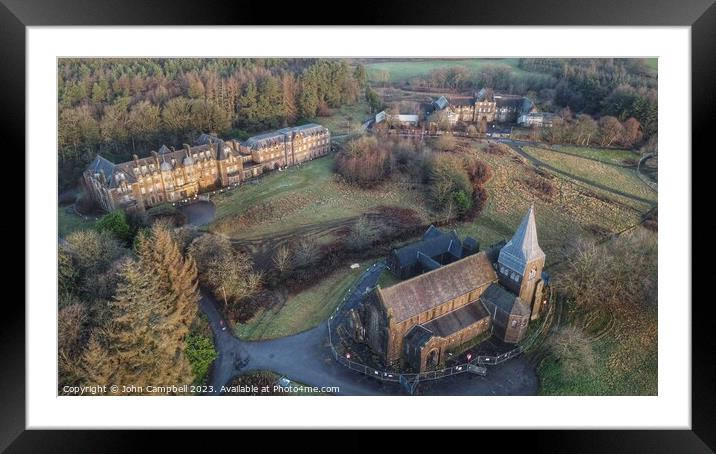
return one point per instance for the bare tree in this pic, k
(306, 251)
(610, 130)
(282, 258)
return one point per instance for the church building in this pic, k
(417, 321)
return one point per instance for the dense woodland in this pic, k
(120, 107)
(621, 88)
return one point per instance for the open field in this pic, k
(302, 311)
(625, 350)
(306, 197)
(310, 201)
(574, 210)
(400, 71)
(68, 221)
(337, 121)
(607, 155)
(624, 181)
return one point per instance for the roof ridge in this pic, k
(420, 276)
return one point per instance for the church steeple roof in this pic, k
(523, 248)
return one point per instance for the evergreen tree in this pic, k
(154, 307)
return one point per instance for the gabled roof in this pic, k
(441, 102)
(523, 248)
(432, 232)
(204, 138)
(457, 320)
(506, 301)
(418, 336)
(100, 164)
(435, 244)
(421, 293)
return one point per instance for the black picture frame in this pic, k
(700, 15)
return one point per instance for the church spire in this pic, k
(523, 248)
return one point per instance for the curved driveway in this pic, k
(306, 358)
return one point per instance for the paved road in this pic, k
(199, 213)
(306, 358)
(517, 146)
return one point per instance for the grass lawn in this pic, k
(626, 362)
(618, 178)
(567, 215)
(303, 196)
(607, 155)
(68, 221)
(403, 70)
(302, 311)
(337, 121)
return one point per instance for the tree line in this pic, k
(619, 87)
(128, 106)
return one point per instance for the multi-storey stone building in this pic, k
(485, 106)
(171, 175)
(417, 321)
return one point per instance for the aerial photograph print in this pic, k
(357, 226)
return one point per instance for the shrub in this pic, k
(447, 174)
(480, 172)
(201, 354)
(116, 224)
(364, 161)
(498, 149)
(545, 189)
(446, 142)
(462, 202)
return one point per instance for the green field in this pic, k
(570, 213)
(626, 358)
(607, 155)
(305, 197)
(337, 122)
(312, 201)
(623, 180)
(400, 71)
(68, 221)
(302, 311)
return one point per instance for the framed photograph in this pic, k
(433, 218)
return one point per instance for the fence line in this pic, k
(474, 366)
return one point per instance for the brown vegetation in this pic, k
(541, 186)
(364, 161)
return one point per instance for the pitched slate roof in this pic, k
(101, 164)
(457, 320)
(418, 336)
(432, 232)
(496, 295)
(414, 296)
(436, 244)
(441, 102)
(523, 247)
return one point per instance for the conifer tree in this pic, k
(153, 309)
